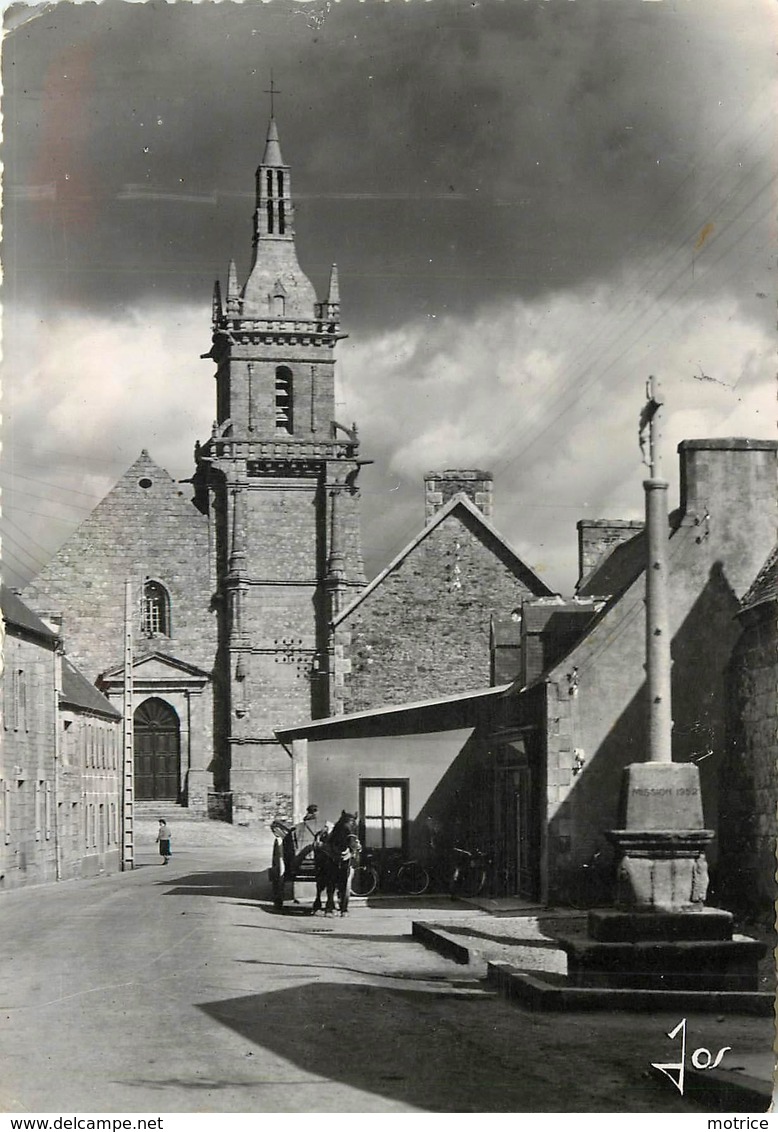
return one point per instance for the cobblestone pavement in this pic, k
(180, 989)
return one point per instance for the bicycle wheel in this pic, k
(364, 881)
(413, 878)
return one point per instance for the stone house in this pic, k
(425, 620)
(59, 762)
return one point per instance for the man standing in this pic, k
(293, 850)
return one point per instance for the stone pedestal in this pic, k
(661, 848)
(661, 870)
(660, 936)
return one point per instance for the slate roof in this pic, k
(765, 585)
(77, 692)
(18, 614)
(318, 728)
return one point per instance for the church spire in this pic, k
(276, 287)
(274, 217)
(273, 146)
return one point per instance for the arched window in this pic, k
(284, 399)
(155, 610)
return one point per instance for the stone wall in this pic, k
(89, 795)
(27, 763)
(424, 631)
(441, 487)
(145, 528)
(598, 713)
(60, 775)
(749, 827)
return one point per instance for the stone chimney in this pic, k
(597, 537)
(440, 487)
(728, 488)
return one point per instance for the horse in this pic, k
(334, 855)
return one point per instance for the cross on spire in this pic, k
(272, 92)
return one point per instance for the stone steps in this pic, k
(170, 811)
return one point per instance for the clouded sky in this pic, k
(534, 204)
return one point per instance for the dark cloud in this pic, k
(442, 153)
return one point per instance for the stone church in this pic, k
(252, 608)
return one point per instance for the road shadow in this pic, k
(342, 1033)
(231, 883)
(390, 1042)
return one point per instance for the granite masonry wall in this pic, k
(424, 631)
(145, 528)
(27, 763)
(749, 828)
(59, 775)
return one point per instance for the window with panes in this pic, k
(155, 610)
(384, 809)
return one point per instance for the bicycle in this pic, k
(470, 873)
(409, 877)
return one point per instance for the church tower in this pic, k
(278, 476)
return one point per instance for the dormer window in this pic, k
(284, 399)
(155, 610)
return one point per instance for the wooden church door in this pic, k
(157, 752)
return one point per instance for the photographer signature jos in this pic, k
(701, 1058)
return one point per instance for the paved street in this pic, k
(178, 988)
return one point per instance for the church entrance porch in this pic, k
(157, 752)
(174, 739)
